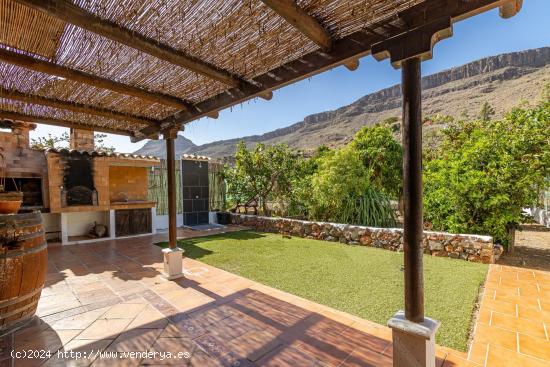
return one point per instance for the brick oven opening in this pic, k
(78, 180)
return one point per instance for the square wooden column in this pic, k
(173, 254)
(413, 334)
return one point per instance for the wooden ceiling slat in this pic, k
(75, 107)
(70, 13)
(47, 67)
(16, 116)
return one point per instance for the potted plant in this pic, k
(10, 201)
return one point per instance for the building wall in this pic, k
(160, 222)
(101, 181)
(129, 182)
(52, 225)
(541, 216)
(55, 180)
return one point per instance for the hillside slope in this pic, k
(157, 148)
(503, 81)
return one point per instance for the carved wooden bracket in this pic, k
(352, 64)
(136, 138)
(172, 132)
(417, 42)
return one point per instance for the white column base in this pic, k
(112, 224)
(173, 268)
(64, 229)
(413, 343)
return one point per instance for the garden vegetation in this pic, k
(477, 180)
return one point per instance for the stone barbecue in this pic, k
(82, 193)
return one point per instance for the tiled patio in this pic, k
(110, 297)
(513, 324)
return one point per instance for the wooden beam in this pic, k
(302, 21)
(70, 13)
(352, 65)
(510, 8)
(356, 45)
(267, 95)
(75, 107)
(213, 115)
(418, 42)
(58, 122)
(31, 63)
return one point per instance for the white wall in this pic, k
(52, 225)
(541, 216)
(161, 221)
(79, 223)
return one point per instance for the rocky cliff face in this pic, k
(502, 80)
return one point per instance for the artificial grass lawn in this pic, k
(363, 281)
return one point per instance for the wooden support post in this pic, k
(413, 334)
(171, 168)
(173, 267)
(412, 189)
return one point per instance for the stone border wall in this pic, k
(458, 246)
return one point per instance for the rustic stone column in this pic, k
(82, 140)
(173, 254)
(413, 334)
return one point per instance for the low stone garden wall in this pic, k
(459, 246)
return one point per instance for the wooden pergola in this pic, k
(144, 68)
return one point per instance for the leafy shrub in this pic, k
(340, 175)
(485, 172)
(382, 155)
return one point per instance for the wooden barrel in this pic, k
(23, 265)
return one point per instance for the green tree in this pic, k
(485, 172)
(486, 112)
(99, 144)
(264, 173)
(57, 142)
(301, 184)
(382, 156)
(340, 175)
(51, 141)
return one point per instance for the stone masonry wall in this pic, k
(459, 246)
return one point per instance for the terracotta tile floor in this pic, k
(513, 324)
(109, 297)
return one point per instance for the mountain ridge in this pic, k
(499, 79)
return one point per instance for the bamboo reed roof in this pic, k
(248, 48)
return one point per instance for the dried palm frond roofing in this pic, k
(247, 47)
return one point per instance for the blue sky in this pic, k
(484, 35)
